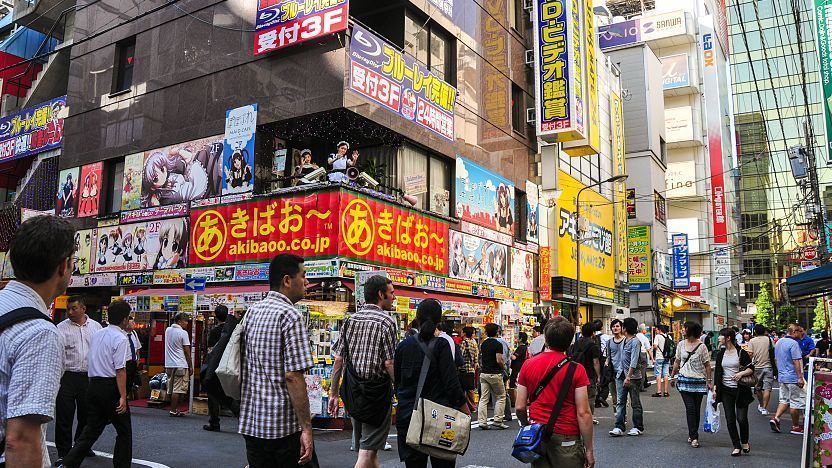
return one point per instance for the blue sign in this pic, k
(681, 262)
(195, 284)
(33, 130)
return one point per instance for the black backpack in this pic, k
(669, 348)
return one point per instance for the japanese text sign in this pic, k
(151, 245)
(639, 254)
(33, 130)
(282, 23)
(398, 82)
(483, 197)
(545, 284)
(681, 261)
(823, 18)
(714, 117)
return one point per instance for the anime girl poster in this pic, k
(483, 197)
(151, 245)
(479, 260)
(182, 173)
(522, 270)
(238, 154)
(83, 251)
(131, 194)
(67, 195)
(90, 189)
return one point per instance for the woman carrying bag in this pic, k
(441, 384)
(693, 364)
(733, 378)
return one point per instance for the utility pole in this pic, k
(817, 220)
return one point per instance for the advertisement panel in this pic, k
(639, 254)
(678, 124)
(131, 194)
(675, 73)
(483, 197)
(522, 270)
(533, 211)
(681, 261)
(33, 130)
(619, 34)
(283, 23)
(67, 197)
(151, 245)
(558, 69)
(593, 122)
(256, 231)
(485, 233)
(619, 167)
(398, 82)
(631, 204)
(145, 214)
(646, 28)
(680, 179)
(238, 150)
(597, 262)
(714, 119)
(182, 172)
(90, 180)
(83, 252)
(476, 259)
(689, 226)
(823, 39)
(545, 282)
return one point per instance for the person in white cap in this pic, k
(340, 162)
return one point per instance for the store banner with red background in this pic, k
(90, 193)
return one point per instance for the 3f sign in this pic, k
(708, 47)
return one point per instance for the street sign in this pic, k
(195, 284)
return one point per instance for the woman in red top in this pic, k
(571, 443)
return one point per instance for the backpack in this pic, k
(669, 348)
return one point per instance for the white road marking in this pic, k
(110, 456)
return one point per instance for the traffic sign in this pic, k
(195, 284)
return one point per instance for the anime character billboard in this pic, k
(183, 172)
(476, 259)
(151, 245)
(67, 197)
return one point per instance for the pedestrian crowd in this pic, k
(552, 383)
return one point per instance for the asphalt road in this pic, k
(160, 441)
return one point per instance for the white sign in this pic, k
(415, 184)
(485, 233)
(663, 25)
(722, 268)
(663, 269)
(689, 226)
(680, 179)
(240, 125)
(97, 279)
(675, 72)
(678, 124)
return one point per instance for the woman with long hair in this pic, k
(505, 219)
(732, 364)
(693, 364)
(441, 383)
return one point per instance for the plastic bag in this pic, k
(711, 415)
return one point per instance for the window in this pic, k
(752, 290)
(425, 176)
(115, 186)
(663, 150)
(430, 45)
(124, 62)
(518, 108)
(751, 243)
(752, 220)
(516, 16)
(440, 184)
(521, 207)
(757, 266)
(661, 208)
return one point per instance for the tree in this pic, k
(786, 315)
(819, 323)
(765, 309)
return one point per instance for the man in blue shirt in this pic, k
(625, 360)
(807, 344)
(789, 357)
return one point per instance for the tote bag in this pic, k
(229, 370)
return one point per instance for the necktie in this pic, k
(132, 346)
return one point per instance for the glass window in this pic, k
(115, 187)
(415, 38)
(430, 45)
(516, 15)
(440, 185)
(439, 50)
(518, 108)
(124, 61)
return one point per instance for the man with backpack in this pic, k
(663, 350)
(587, 352)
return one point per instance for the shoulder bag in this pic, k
(366, 400)
(530, 443)
(747, 380)
(435, 429)
(229, 370)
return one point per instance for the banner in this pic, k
(33, 130)
(151, 245)
(238, 150)
(533, 212)
(182, 172)
(476, 259)
(131, 194)
(646, 28)
(88, 203)
(631, 204)
(283, 23)
(675, 72)
(545, 284)
(823, 17)
(483, 197)
(639, 253)
(714, 119)
(145, 214)
(83, 252)
(681, 261)
(678, 124)
(619, 167)
(378, 71)
(67, 197)
(522, 270)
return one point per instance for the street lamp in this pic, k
(618, 178)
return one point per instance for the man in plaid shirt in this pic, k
(470, 354)
(371, 341)
(274, 408)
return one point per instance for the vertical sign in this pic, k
(722, 268)
(238, 150)
(558, 71)
(544, 285)
(619, 167)
(681, 262)
(823, 16)
(714, 118)
(638, 253)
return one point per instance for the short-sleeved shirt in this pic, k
(659, 342)
(539, 411)
(276, 342)
(470, 354)
(694, 362)
(176, 338)
(759, 346)
(586, 350)
(77, 343)
(786, 351)
(823, 347)
(489, 349)
(371, 341)
(807, 344)
(537, 345)
(109, 352)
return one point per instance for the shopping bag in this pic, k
(229, 369)
(711, 423)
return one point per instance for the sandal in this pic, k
(694, 443)
(666, 394)
(657, 394)
(736, 453)
(746, 450)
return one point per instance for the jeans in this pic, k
(693, 408)
(276, 453)
(491, 384)
(72, 400)
(102, 401)
(735, 414)
(635, 402)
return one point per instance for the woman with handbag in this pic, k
(734, 380)
(693, 364)
(441, 382)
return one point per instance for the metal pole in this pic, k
(193, 357)
(578, 254)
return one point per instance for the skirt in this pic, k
(691, 385)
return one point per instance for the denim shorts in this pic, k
(662, 368)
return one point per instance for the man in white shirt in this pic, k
(107, 393)
(538, 341)
(178, 365)
(646, 351)
(77, 330)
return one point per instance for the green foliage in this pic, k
(786, 315)
(765, 309)
(819, 324)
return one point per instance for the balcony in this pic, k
(683, 127)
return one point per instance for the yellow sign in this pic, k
(597, 261)
(619, 167)
(592, 143)
(157, 303)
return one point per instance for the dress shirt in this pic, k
(137, 345)
(77, 343)
(109, 351)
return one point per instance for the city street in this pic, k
(160, 441)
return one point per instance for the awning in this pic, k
(810, 283)
(251, 288)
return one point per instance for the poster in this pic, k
(151, 245)
(522, 270)
(90, 192)
(67, 195)
(182, 172)
(33, 130)
(361, 278)
(283, 23)
(631, 203)
(533, 212)
(238, 152)
(722, 268)
(639, 253)
(83, 252)
(132, 183)
(315, 390)
(545, 284)
(681, 261)
(378, 71)
(483, 197)
(476, 259)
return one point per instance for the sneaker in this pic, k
(596, 422)
(764, 412)
(797, 430)
(211, 428)
(634, 432)
(500, 426)
(387, 446)
(760, 409)
(774, 423)
(485, 427)
(176, 414)
(616, 432)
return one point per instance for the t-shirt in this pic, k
(785, 351)
(539, 411)
(659, 342)
(175, 340)
(807, 344)
(694, 362)
(758, 347)
(537, 345)
(823, 347)
(519, 357)
(645, 343)
(585, 350)
(730, 366)
(489, 349)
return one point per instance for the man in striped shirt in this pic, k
(77, 330)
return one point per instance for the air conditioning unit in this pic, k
(530, 117)
(530, 57)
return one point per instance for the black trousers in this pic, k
(72, 399)
(693, 408)
(735, 414)
(102, 401)
(276, 453)
(604, 382)
(216, 404)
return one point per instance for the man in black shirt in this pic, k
(225, 326)
(587, 353)
(491, 379)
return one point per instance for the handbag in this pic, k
(229, 369)
(530, 443)
(436, 430)
(748, 380)
(366, 400)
